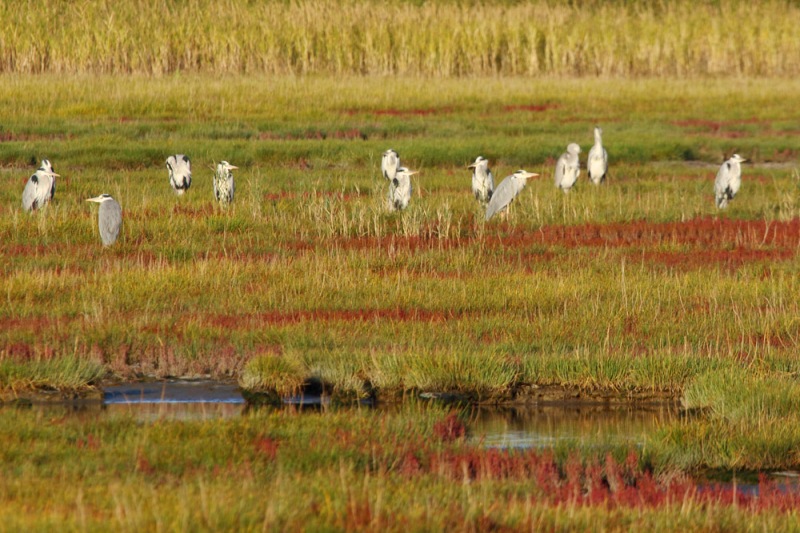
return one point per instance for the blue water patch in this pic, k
(173, 392)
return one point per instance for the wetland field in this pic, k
(634, 293)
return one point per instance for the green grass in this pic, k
(639, 288)
(308, 261)
(67, 374)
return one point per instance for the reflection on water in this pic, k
(174, 400)
(177, 411)
(509, 427)
(544, 426)
(145, 412)
(166, 392)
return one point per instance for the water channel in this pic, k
(539, 425)
(521, 427)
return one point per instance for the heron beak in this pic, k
(95, 199)
(471, 166)
(233, 167)
(411, 173)
(55, 175)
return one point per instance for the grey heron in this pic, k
(568, 167)
(223, 183)
(40, 188)
(180, 173)
(728, 181)
(390, 163)
(597, 162)
(508, 189)
(400, 189)
(109, 218)
(482, 180)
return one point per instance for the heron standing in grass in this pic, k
(180, 173)
(109, 218)
(505, 193)
(597, 162)
(223, 183)
(390, 162)
(568, 167)
(729, 179)
(40, 188)
(482, 180)
(400, 189)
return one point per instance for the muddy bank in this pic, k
(210, 391)
(523, 394)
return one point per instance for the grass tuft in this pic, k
(61, 373)
(271, 373)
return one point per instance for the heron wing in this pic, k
(598, 155)
(561, 169)
(401, 192)
(29, 194)
(573, 168)
(597, 163)
(403, 189)
(109, 221)
(181, 175)
(384, 170)
(502, 196)
(476, 184)
(389, 165)
(723, 179)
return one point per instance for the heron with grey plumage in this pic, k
(597, 161)
(728, 180)
(390, 162)
(482, 180)
(507, 191)
(400, 189)
(568, 168)
(223, 183)
(109, 218)
(40, 188)
(180, 173)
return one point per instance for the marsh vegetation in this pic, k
(639, 288)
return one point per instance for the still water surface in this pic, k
(518, 427)
(535, 426)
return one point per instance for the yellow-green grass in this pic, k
(66, 374)
(310, 276)
(440, 38)
(638, 285)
